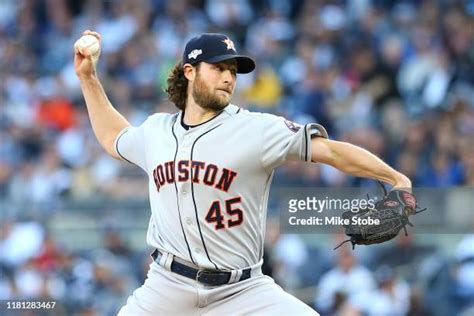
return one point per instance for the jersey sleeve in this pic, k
(285, 140)
(130, 145)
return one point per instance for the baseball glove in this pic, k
(383, 222)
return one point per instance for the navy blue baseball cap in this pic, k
(214, 48)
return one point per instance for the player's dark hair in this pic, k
(177, 86)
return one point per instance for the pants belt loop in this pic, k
(256, 271)
(235, 276)
(166, 260)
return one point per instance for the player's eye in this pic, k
(218, 67)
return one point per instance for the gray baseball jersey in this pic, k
(209, 185)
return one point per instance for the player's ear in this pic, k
(189, 71)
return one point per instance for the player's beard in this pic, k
(206, 98)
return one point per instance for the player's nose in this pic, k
(228, 77)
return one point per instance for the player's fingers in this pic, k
(81, 52)
(97, 35)
(93, 33)
(87, 53)
(76, 48)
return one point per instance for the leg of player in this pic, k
(256, 296)
(163, 293)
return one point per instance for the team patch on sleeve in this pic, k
(292, 126)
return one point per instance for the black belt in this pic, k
(209, 277)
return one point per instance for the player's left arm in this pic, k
(356, 161)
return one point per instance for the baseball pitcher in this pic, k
(210, 167)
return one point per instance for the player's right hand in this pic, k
(85, 62)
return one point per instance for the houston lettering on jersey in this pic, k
(201, 172)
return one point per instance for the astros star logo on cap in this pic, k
(229, 43)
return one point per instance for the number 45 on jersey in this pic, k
(233, 216)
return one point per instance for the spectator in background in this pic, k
(19, 242)
(391, 297)
(287, 254)
(265, 92)
(49, 256)
(464, 274)
(54, 111)
(348, 281)
(231, 15)
(41, 182)
(110, 286)
(20, 188)
(116, 244)
(443, 171)
(403, 252)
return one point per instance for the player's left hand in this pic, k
(384, 221)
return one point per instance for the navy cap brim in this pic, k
(245, 64)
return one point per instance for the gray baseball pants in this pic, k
(168, 293)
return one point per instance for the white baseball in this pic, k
(90, 42)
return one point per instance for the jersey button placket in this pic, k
(185, 145)
(185, 154)
(184, 188)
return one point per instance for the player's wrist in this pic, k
(402, 182)
(88, 78)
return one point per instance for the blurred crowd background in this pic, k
(395, 77)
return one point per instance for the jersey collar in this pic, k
(230, 109)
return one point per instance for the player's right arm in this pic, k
(106, 121)
(356, 161)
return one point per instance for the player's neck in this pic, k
(195, 114)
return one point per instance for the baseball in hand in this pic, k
(90, 42)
